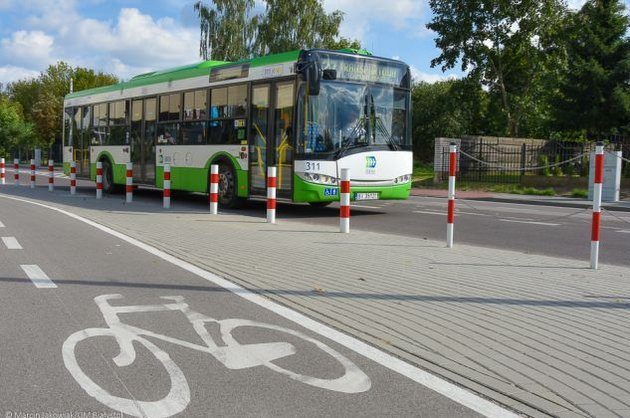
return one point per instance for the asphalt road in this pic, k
(73, 309)
(535, 229)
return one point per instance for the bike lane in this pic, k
(167, 377)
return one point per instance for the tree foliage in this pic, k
(509, 46)
(595, 89)
(229, 29)
(14, 130)
(42, 98)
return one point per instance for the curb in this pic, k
(547, 203)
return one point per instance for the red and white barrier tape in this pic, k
(344, 201)
(129, 183)
(73, 177)
(167, 186)
(16, 175)
(271, 194)
(51, 175)
(2, 172)
(99, 180)
(32, 174)
(597, 204)
(213, 197)
(452, 172)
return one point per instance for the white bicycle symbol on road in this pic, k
(233, 355)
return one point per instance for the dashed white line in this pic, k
(529, 222)
(456, 213)
(624, 231)
(1, 224)
(38, 277)
(11, 243)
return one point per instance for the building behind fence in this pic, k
(514, 160)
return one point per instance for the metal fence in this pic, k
(498, 163)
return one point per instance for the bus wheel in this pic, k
(227, 186)
(319, 204)
(108, 178)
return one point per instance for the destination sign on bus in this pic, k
(361, 69)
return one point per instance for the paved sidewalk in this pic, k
(542, 335)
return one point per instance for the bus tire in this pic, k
(228, 186)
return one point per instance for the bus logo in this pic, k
(370, 162)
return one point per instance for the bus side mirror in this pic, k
(313, 78)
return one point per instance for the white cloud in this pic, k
(418, 75)
(132, 43)
(9, 73)
(576, 4)
(360, 15)
(27, 48)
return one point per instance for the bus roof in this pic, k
(197, 70)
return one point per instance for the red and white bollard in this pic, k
(99, 180)
(51, 175)
(597, 204)
(167, 187)
(73, 177)
(16, 175)
(129, 184)
(344, 201)
(272, 183)
(32, 174)
(2, 172)
(213, 197)
(452, 172)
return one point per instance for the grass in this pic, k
(580, 193)
(422, 174)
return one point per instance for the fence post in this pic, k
(271, 194)
(16, 175)
(51, 175)
(344, 201)
(214, 189)
(452, 172)
(597, 204)
(167, 187)
(129, 183)
(523, 158)
(99, 180)
(73, 177)
(2, 171)
(33, 178)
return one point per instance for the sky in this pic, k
(129, 37)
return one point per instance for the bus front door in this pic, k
(271, 136)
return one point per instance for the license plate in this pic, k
(366, 196)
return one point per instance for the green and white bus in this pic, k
(308, 112)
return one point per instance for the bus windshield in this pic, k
(347, 117)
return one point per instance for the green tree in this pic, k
(509, 46)
(228, 29)
(15, 132)
(288, 25)
(595, 93)
(343, 43)
(446, 109)
(42, 97)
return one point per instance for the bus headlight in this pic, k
(403, 179)
(318, 178)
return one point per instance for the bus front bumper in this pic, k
(310, 192)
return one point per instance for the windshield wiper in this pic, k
(380, 126)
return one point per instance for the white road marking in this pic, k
(1, 224)
(11, 243)
(367, 207)
(624, 232)
(441, 386)
(38, 277)
(529, 222)
(444, 213)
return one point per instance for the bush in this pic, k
(580, 193)
(543, 161)
(557, 169)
